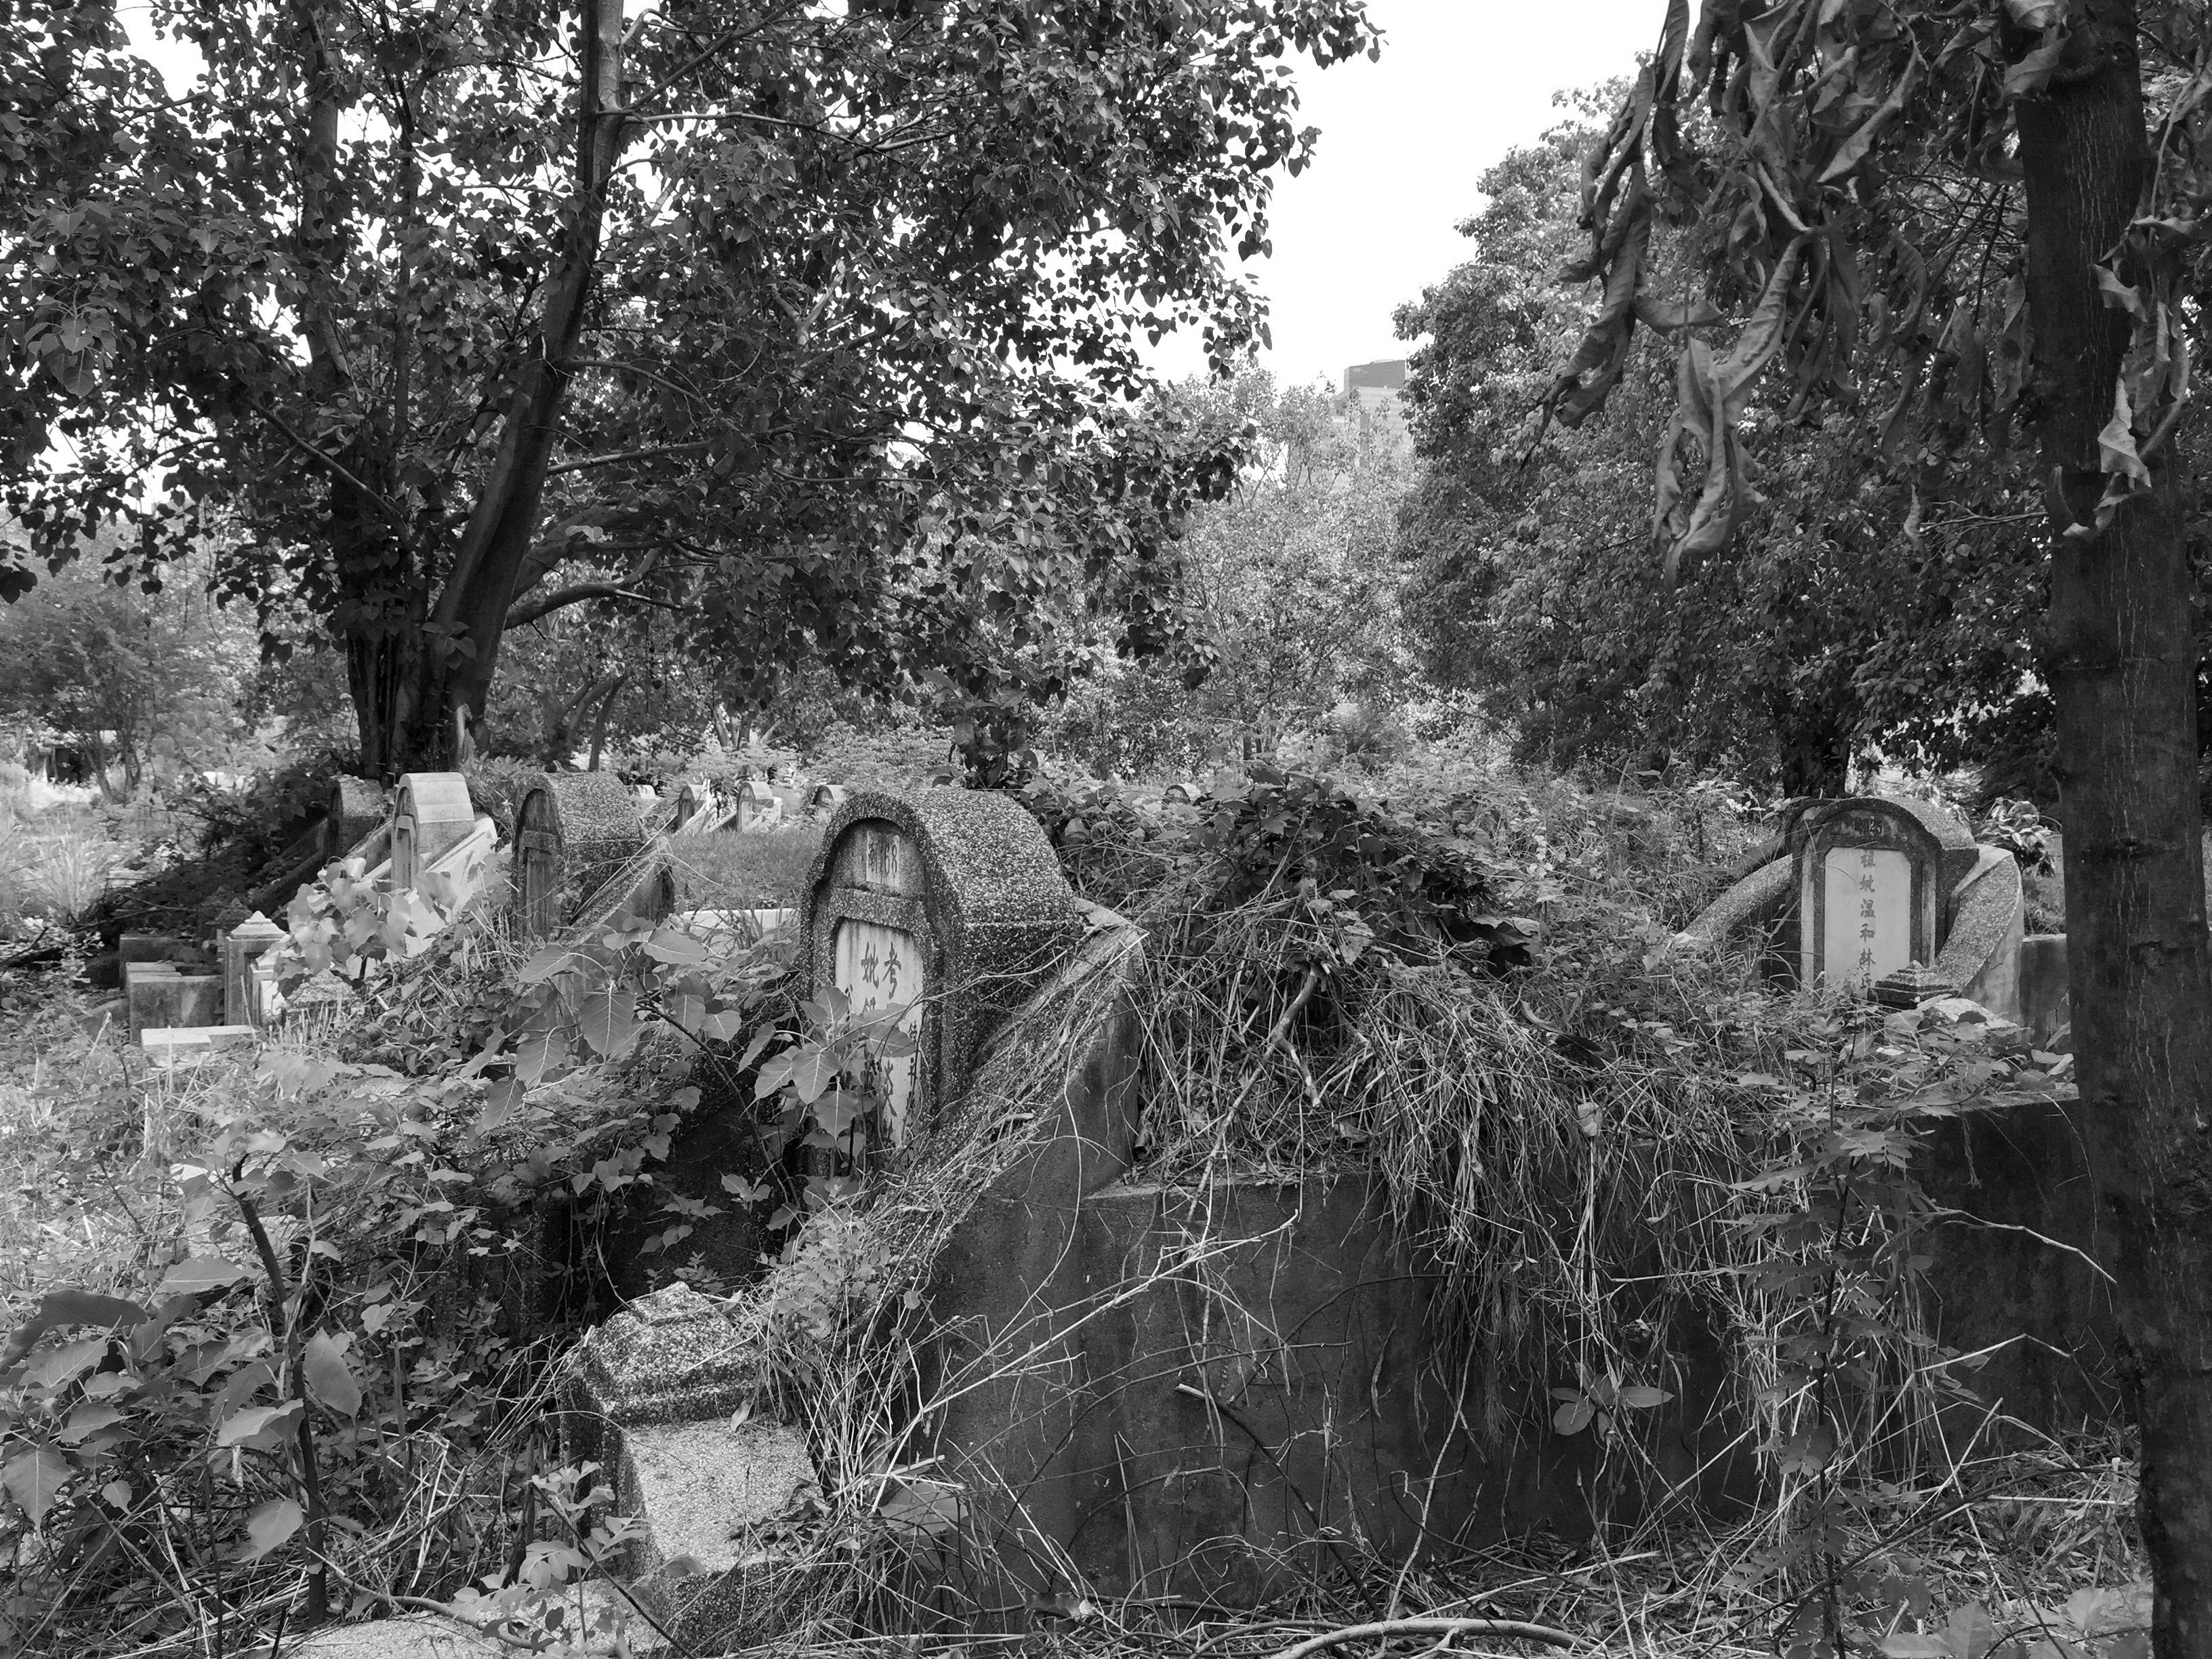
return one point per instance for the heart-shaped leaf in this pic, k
(260, 1428)
(330, 1379)
(269, 1526)
(33, 1479)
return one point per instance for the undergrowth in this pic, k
(313, 1368)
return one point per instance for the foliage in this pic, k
(1783, 180)
(1852, 1385)
(884, 298)
(1284, 585)
(1849, 620)
(131, 677)
(227, 1412)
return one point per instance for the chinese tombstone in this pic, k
(947, 904)
(1875, 877)
(431, 815)
(573, 832)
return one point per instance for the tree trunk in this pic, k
(2121, 660)
(465, 628)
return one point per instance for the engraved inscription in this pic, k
(1867, 925)
(880, 968)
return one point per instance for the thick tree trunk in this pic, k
(2121, 660)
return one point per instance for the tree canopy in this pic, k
(1846, 620)
(816, 322)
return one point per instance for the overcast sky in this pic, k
(1402, 143)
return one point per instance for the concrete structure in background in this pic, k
(1374, 395)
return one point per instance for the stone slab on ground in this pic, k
(415, 1636)
(434, 1636)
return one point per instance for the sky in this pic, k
(1403, 141)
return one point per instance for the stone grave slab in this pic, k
(949, 903)
(431, 815)
(573, 832)
(242, 947)
(157, 996)
(1874, 876)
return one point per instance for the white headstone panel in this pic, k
(431, 815)
(1869, 916)
(1874, 878)
(880, 969)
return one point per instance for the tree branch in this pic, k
(625, 455)
(285, 427)
(560, 598)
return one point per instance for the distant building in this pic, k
(1372, 396)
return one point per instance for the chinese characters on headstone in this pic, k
(1868, 915)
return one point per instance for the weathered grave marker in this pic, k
(242, 948)
(572, 833)
(1874, 878)
(949, 904)
(757, 806)
(695, 797)
(353, 812)
(431, 815)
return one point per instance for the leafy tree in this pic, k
(815, 321)
(1286, 579)
(1864, 160)
(1842, 623)
(129, 676)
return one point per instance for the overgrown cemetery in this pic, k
(760, 896)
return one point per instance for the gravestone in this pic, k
(243, 946)
(431, 815)
(353, 812)
(1874, 877)
(573, 832)
(757, 806)
(157, 996)
(824, 798)
(695, 797)
(948, 903)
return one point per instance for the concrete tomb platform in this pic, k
(1193, 1391)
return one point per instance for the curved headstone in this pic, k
(948, 902)
(353, 811)
(1875, 875)
(695, 797)
(431, 815)
(573, 833)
